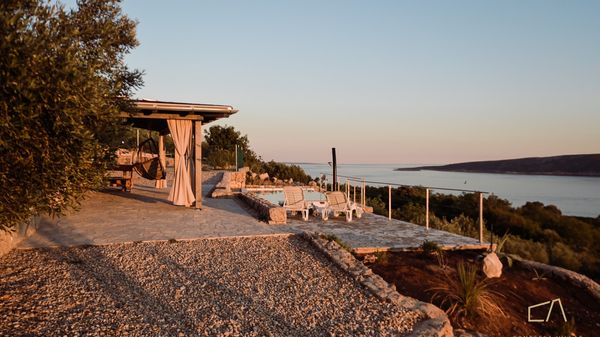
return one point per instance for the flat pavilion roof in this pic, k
(153, 115)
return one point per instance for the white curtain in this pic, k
(181, 192)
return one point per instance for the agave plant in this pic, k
(466, 294)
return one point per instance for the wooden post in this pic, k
(198, 163)
(389, 202)
(427, 208)
(162, 157)
(355, 194)
(480, 217)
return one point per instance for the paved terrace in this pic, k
(145, 214)
(374, 232)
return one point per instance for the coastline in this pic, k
(442, 169)
(577, 165)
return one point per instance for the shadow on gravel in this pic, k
(124, 291)
(268, 320)
(129, 294)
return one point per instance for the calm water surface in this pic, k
(278, 198)
(572, 195)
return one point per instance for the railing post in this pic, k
(427, 208)
(480, 217)
(355, 194)
(389, 202)
(364, 194)
(347, 190)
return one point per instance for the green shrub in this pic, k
(378, 205)
(285, 171)
(430, 247)
(563, 256)
(221, 159)
(465, 226)
(63, 83)
(527, 249)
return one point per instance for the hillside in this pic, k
(568, 165)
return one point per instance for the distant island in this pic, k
(569, 165)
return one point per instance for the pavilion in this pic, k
(184, 122)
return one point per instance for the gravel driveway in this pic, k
(259, 286)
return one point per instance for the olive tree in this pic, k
(63, 81)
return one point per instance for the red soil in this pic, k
(414, 273)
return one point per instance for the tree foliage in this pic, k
(219, 152)
(538, 232)
(64, 81)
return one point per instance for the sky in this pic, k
(382, 81)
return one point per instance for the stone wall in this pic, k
(8, 241)
(576, 279)
(435, 322)
(267, 211)
(237, 180)
(230, 181)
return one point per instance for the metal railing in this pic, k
(363, 195)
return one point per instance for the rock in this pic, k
(277, 215)
(263, 176)
(492, 267)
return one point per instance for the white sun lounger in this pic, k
(338, 203)
(294, 201)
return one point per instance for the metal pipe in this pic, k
(364, 194)
(404, 185)
(427, 209)
(389, 202)
(334, 165)
(480, 217)
(347, 190)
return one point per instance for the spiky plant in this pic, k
(467, 295)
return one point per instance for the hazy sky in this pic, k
(383, 81)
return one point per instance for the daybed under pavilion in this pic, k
(184, 122)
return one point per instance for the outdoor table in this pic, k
(321, 207)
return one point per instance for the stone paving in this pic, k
(372, 232)
(145, 214)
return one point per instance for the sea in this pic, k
(579, 196)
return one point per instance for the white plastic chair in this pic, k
(338, 203)
(294, 201)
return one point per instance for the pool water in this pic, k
(278, 198)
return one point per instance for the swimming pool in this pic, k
(277, 197)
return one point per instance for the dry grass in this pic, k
(466, 295)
